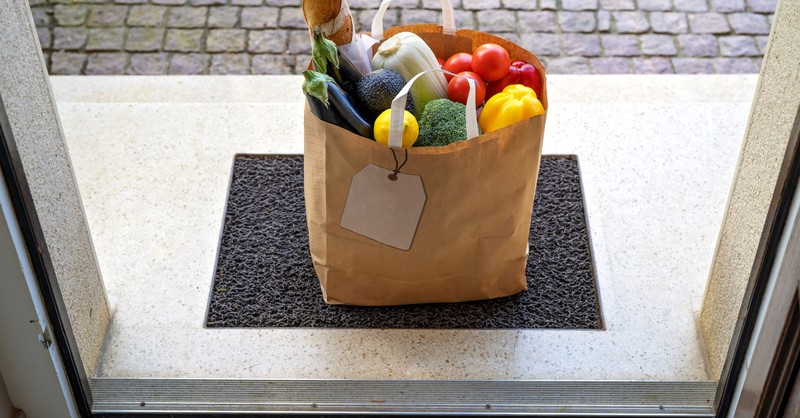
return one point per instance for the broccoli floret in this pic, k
(442, 122)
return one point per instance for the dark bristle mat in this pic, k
(264, 276)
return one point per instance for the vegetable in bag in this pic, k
(407, 54)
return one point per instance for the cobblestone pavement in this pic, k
(270, 36)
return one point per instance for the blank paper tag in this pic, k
(382, 209)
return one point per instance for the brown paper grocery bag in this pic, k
(471, 241)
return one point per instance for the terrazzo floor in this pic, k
(152, 157)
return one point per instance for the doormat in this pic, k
(264, 276)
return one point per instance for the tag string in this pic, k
(397, 165)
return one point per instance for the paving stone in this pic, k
(655, 65)
(480, 4)
(708, 23)
(507, 4)
(761, 41)
(576, 21)
(578, 4)
(70, 14)
(727, 6)
(617, 5)
(509, 36)
(184, 40)
(537, 21)
(735, 66)
(406, 4)
(631, 22)
(208, 2)
(465, 19)
(390, 19)
(107, 15)
(609, 65)
(763, 6)
(292, 17)
(148, 64)
(187, 17)
(41, 17)
(248, 2)
(45, 37)
(105, 39)
(225, 40)
(69, 38)
(698, 45)
(67, 63)
(170, 2)
(603, 21)
(106, 63)
(693, 65)
(230, 64)
(299, 42)
(738, 46)
(130, 1)
(189, 64)
(358, 4)
(547, 4)
(655, 5)
(267, 41)
(146, 15)
(416, 16)
(494, 20)
(294, 3)
(568, 65)
(691, 5)
(749, 23)
(33, 3)
(259, 17)
(144, 39)
(579, 44)
(620, 45)
(272, 64)
(668, 22)
(543, 44)
(658, 45)
(301, 63)
(223, 17)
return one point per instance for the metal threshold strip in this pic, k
(114, 396)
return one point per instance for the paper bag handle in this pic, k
(399, 105)
(448, 19)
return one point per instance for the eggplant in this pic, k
(325, 113)
(344, 106)
(330, 103)
(346, 75)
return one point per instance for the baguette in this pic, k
(333, 18)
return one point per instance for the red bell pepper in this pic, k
(520, 73)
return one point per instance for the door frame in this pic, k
(768, 263)
(49, 293)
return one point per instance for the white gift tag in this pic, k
(384, 209)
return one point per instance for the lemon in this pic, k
(410, 128)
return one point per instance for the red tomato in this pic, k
(458, 88)
(457, 63)
(441, 62)
(491, 62)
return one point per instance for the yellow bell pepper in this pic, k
(515, 103)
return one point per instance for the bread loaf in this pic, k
(333, 18)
